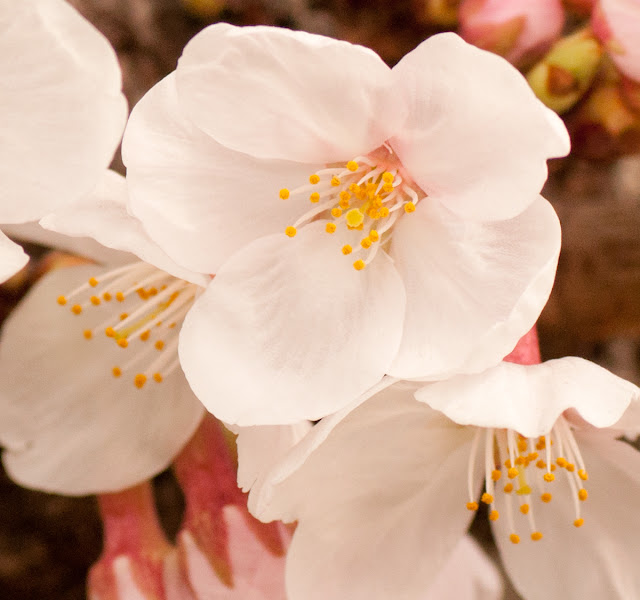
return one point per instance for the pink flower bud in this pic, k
(617, 24)
(519, 30)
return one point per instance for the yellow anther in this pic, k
(374, 236)
(117, 371)
(330, 228)
(365, 243)
(487, 498)
(354, 188)
(571, 467)
(95, 300)
(123, 343)
(119, 296)
(93, 282)
(583, 474)
(561, 462)
(139, 380)
(512, 473)
(354, 218)
(541, 464)
(515, 538)
(159, 345)
(532, 456)
(387, 187)
(524, 490)
(315, 178)
(291, 231)
(553, 467)
(582, 494)
(61, 300)
(507, 463)
(384, 212)
(522, 445)
(472, 505)
(344, 202)
(110, 332)
(508, 488)
(336, 212)
(548, 477)
(536, 536)
(520, 460)
(315, 197)
(76, 309)
(284, 193)
(123, 316)
(335, 181)
(144, 336)
(494, 515)
(495, 474)
(387, 177)
(157, 377)
(346, 249)
(578, 523)
(88, 334)
(546, 497)
(352, 165)
(542, 444)
(524, 509)
(409, 207)
(107, 297)
(359, 265)
(373, 213)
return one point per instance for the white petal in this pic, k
(599, 559)
(68, 425)
(276, 93)
(469, 574)
(197, 199)
(261, 446)
(623, 17)
(103, 215)
(473, 289)
(477, 139)
(530, 398)
(289, 330)
(81, 246)
(61, 106)
(12, 257)
(380, 503)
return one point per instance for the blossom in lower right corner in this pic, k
(384, 490)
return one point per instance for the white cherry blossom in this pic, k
(359, 220)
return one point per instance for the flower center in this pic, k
(529, 467)
(368, 194)
(143, 309)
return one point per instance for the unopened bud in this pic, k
(563, 76)
(438, 12)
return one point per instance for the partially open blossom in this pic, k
(381, 492)
(63, 112)
(519, 30)
(617, 23)
(358, 219)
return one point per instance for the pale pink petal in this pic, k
(277, 93)
(102, 215)
(468, 574)
(597, 560)
(380, 503)
(623, 20)
(530, 398)
(477, 139)
(198, 200)
(61, 106)
(12, 257)
(473, 288)
(289, 330)
(68, 425)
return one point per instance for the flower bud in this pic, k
(438, 12)
(519, 30)
(616, 23)
(562, 77)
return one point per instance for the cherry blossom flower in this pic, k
(94, 400)
(384, 490)
(359, 220)
(62, 109)
(616, 23)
